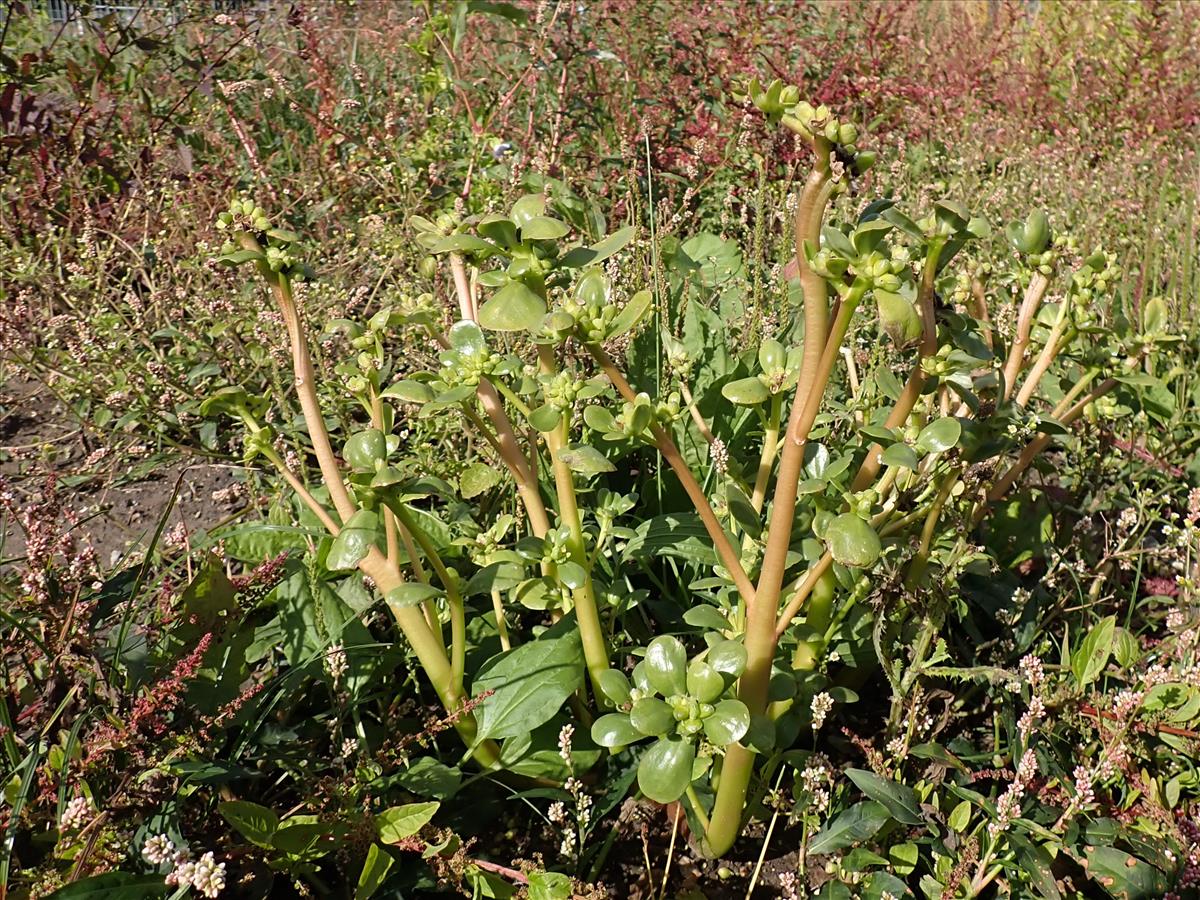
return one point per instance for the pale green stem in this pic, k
(587, 613)
(386, 576)
(1026, 316)
(763, 601)
(501, 624)
(454, 600)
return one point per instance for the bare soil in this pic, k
(118, 492)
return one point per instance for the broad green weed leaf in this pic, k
(530, 683)
(899, 799)
(1091, 656)
(855, 824)
(374, 871)
(400, 822)
(254, 822)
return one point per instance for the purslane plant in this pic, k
(890, 485)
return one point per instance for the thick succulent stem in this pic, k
(1036, 446)
(738, 765)
(587, 613)
(729, 557)
(1026, 315)
(386, 576)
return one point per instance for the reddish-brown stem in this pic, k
(730, 558)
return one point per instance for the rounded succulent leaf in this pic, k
(746, 391)
(897, 317)
(615, 730)
(665, 770)
(760, 736)
(641, 678)
(592, 289)
(652, 716)
(782, 686)
(704, 682)
(466, 337)
(771, 355)
(852, 541)
(728, 723)
(364, 449)
(614, 685)
(410, 593)
(514, 308)
(526, 208)
(409, 391)
(543, 228)
(728, 658)
(940, 435)
(666, 665)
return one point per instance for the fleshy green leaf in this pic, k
(746, 391)
(615, 730)
(631, 314)
(513, 308)
(409, 391)
(500, 229)
(411, 593)
(614, 685)
(852, 541)
(900, 455)
(544, 228)
(651, 717)
(466, 337)
(585, 459)
(665, 770)
(666, 665)
(728, 658)
(477, 478)
(728, 724)
(526, 208)
(545, 418)
(939, 436)
(353, 542)
(364, 449)
(578, 257)
(462, 243)
(704, 682)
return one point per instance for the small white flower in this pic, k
(158, 849)
(76, 814)
(208, 876)
(335, 662)
(822, 703)
(564, 742)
